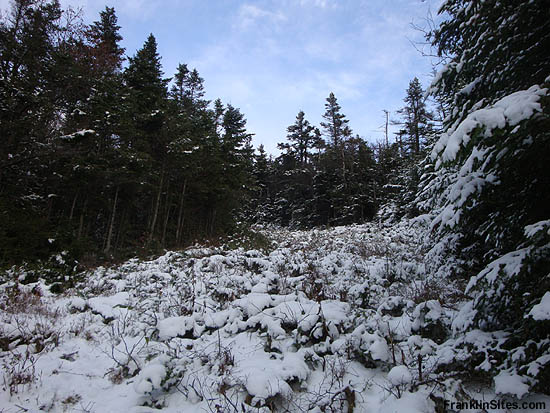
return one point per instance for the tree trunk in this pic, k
(386, 131)
(121, 227)
(179, 226)
(156, 208)
(343, 163)
(81, 223)
(166, 213)
(112, 224)
(72, 206)
(213, 220)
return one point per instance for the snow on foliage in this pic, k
(399, 375)
(506, 383)
(315, 323)
(487, 193)
(510, 110)
(541, 311)
(474, 139)
(326, 320)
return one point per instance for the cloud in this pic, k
(273, 58)
(333, 49)
(250, 15)
(344, 84)
(140, 10)
(323, 4)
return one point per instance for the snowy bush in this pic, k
(232, 330)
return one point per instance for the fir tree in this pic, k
(105, 37)
(415, 119)
(302, 139)
(413, 139)
(144, 79)
(335, 126)
(490, 187)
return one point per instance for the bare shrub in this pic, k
(124, 352)
(19, 370)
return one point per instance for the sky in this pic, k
(273, 58)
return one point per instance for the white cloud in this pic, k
(332, 49)
(135, 9)
(140, 9)
(272, 58)
(250, 15)
(323, 4)
(344, 84)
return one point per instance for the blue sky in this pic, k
(273, 58)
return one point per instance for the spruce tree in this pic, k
(30, 105)
(296, 171)
(361, 201)
(490, 188)
(413, 140)
(147, 97)
(302, 138)
(334, 163)
(335, 126)
(105, 37)
(144, 133)
(416, 119)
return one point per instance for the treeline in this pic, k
(106, 157)
(329, 176)
(99, 159)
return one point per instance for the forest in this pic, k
(108, 157)
(104, 158)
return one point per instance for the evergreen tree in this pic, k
(333, 163)
(144, 133)
(147, 97)
(302, 138)
(295, 173)
(336, 128)
(188, 90)
(30, 107)
(105, 37)
(490, 189)
(102, 160)
(413, 140)
(416, 119)
(263, 175)
(361, 201)
(389, 177)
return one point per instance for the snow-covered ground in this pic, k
(337, 320)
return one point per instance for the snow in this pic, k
(510, 110)
(175, 327)
(107, 306)
(399, 375)
(298, 326)
(506, 383)
(79, 133)
(408, 403)
(149, 378)
(465, 316)
(541, 311)
(77, 303)
(508, 265)
(532, 230)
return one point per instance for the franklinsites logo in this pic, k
(494, 404)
